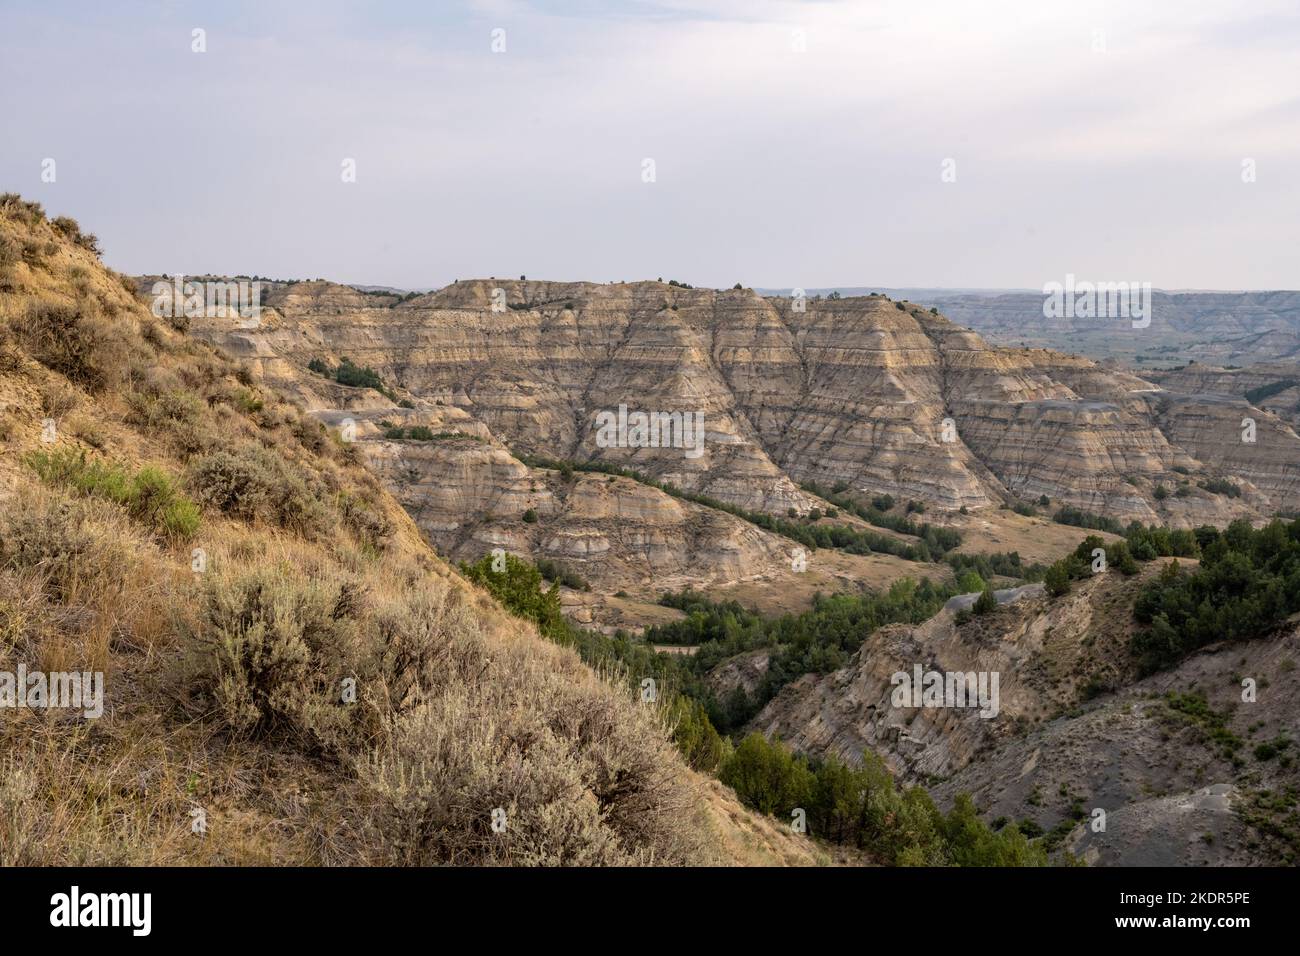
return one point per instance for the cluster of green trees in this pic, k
(354, 376)
(855, 806)
(843, 537)
(410, 433)
(939, 541)
(1247, 582)
(862, 807)
(560, 573)
(1140, 543)
(1005, 564)
(1257, 395)
(420, 433)
(1221, 486)
(519, 586)
(851, 540)
(1150, 542)
(1079, 563)
(817, 640)
(1079, 518)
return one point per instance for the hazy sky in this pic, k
(1101, 139)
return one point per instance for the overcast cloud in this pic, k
(1102, 139)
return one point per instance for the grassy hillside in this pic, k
(285, 660)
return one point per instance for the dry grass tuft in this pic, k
(76, 340)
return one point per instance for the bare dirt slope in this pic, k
(1171, 759)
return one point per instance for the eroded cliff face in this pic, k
(1278, 385)
(616, 532)
(1075, 728)
(1045, 651)
(865, 393)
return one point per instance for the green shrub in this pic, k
(1270, 749)
(519, 587)
(356, 376)
(157, 500)
(1057, 579)
(255, 484)
(247, 402)
(1082, 519)
(1221, 486)
(1007, 564)
(270, 655)
(557, 572)
(149, 495)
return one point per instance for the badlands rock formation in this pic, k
(1215, 327)
(1075, 729)
(865, 393)
(1279, 380)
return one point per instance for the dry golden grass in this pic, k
(227, 651)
